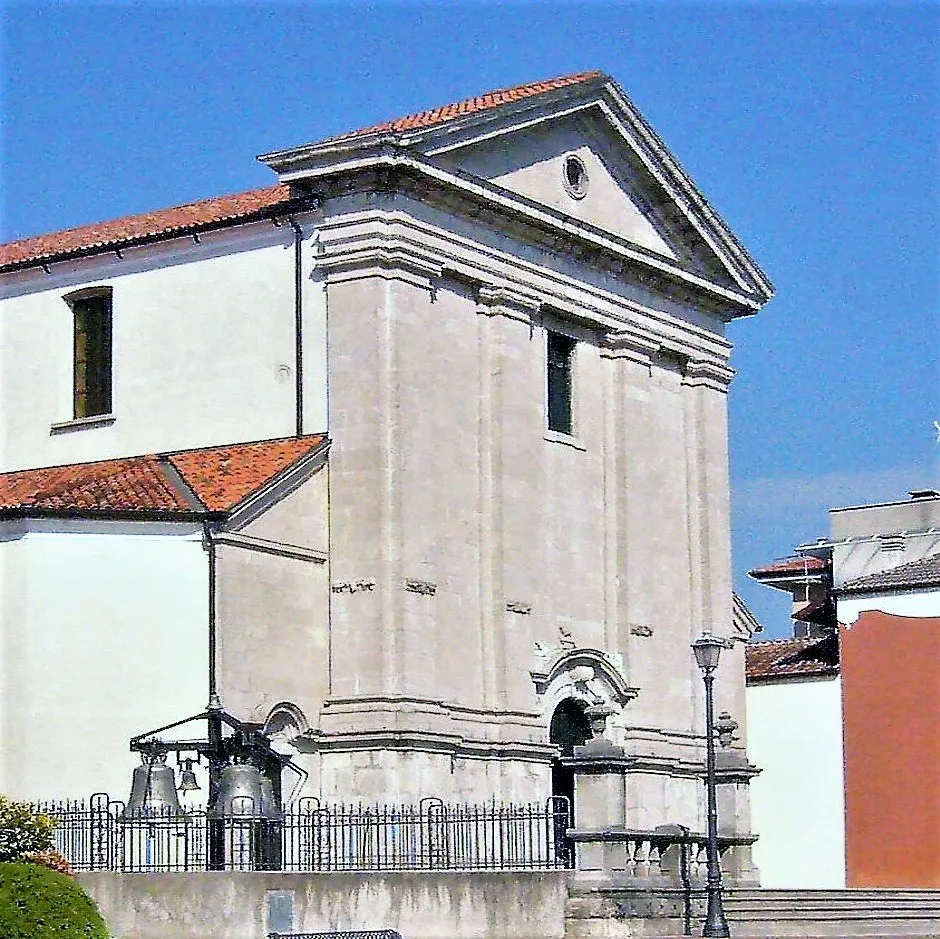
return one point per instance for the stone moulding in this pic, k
(621, 693)
(423, 587)
(352, 586)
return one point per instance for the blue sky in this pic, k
(811, 126)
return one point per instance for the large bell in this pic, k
(153, 787)
(243, 791)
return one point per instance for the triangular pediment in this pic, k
(579, 167)
(532, 142)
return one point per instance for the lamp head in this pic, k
(707, 649)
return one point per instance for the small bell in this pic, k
(187, 777)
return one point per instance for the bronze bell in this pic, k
(153, 787)
(243, 791)
(187, 777)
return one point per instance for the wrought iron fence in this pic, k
(98, 834)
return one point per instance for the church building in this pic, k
(417, 460)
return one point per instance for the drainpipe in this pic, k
(298, 328)
(216, 832)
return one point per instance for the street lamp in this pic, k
(707, 651)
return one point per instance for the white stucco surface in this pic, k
(797, 803)
(103, 637)
(203, 349)
(919, 603)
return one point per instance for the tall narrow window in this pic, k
(91, 382)
(560, 349)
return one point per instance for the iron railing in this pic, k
(345, 934)
(98, 834)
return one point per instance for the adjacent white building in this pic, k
(842, 717)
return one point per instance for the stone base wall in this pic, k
(422, 905)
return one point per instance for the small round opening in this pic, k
(575, 177)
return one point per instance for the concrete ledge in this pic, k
(420, 905)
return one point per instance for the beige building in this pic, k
(509, 318)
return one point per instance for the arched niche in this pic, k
(587, 676)
(283, 725)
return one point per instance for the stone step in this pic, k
(830, 910)
(801, 898)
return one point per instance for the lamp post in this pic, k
(707, 651)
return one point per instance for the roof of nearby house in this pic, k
(782, 659)
(800, 564)
(924, 572)
(181, 483)
(244, 206)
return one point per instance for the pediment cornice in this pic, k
(524, 219)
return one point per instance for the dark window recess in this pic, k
(92, 355)
(560, 349)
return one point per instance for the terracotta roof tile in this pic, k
(219, 477)
(109, 485)
(222, 476)
(131, 228)
(924, 572)
(791, 658)
(241, 206)
(484, 102)
(795, 565)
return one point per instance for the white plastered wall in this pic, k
(919, 603)
(102, 636)
(203, 348)
(797, 802)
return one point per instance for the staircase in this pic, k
(836, 913)
(756, 914)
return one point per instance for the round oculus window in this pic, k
(574, 176)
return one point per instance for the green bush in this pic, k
(37, 903)
(22, 832)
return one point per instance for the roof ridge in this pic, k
(442, 113)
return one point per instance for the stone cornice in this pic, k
(707, 374)
(500, 301)
(368, 243)
(391, 261)
(647, 348)
(455, 745)
(528, 220)
(631, 344)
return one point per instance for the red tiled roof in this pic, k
(791, 658)
(222, 476)
(109, 485)
(219, 477)
(242, 206)
(165, 222)
(795, 565)
(484, 102)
